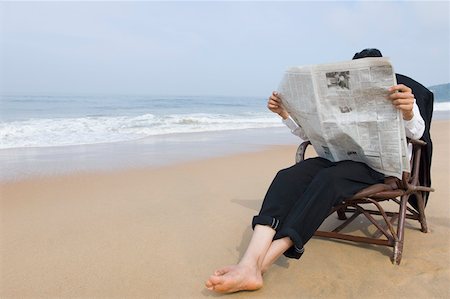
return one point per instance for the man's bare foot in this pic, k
(235, 278)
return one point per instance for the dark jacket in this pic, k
(424, 99)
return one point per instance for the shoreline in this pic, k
(150, 152)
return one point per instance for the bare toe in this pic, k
(223, 270)
(208, 284)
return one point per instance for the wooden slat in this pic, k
(354, 238)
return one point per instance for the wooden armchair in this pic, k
(392, 223)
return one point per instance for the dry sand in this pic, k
(159, 233)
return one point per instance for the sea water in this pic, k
(58, 134)
(37, 121)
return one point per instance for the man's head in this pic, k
(370, 52)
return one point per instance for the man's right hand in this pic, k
(275, 105)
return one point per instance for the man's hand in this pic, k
(403, 99)
(274, 104)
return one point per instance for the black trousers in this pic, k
(301, 196)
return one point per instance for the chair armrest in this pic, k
(300, 155)
(415, 159)
(417, 142)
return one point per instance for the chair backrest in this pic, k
(425, 100)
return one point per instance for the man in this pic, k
(300, 197)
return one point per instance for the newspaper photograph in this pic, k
(344, 110)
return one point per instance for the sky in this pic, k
(210, 47)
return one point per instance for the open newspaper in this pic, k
(344, 110)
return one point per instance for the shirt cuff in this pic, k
(414, 127)
(290, 123)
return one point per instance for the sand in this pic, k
(160, 232)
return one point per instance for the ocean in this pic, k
(46, 135)
(37, 121)
(52, 135)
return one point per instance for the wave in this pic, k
(441, 106)
(43, 132)
(101, 129)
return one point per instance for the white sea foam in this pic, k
(53, 121)
(442, 106)
(88, 130)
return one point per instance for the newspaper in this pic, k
(344, 110)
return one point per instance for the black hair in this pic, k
(369, 52)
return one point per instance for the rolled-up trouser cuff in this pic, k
(266, 220)
(295, 251)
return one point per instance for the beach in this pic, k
(159, 231)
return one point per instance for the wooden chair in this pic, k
(410, 193)
(393, 189)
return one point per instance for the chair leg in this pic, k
(398, 251)
(421, 206)
(398, 246)
(341, 214)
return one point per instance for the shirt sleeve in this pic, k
(415, 127)
(295, 128)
